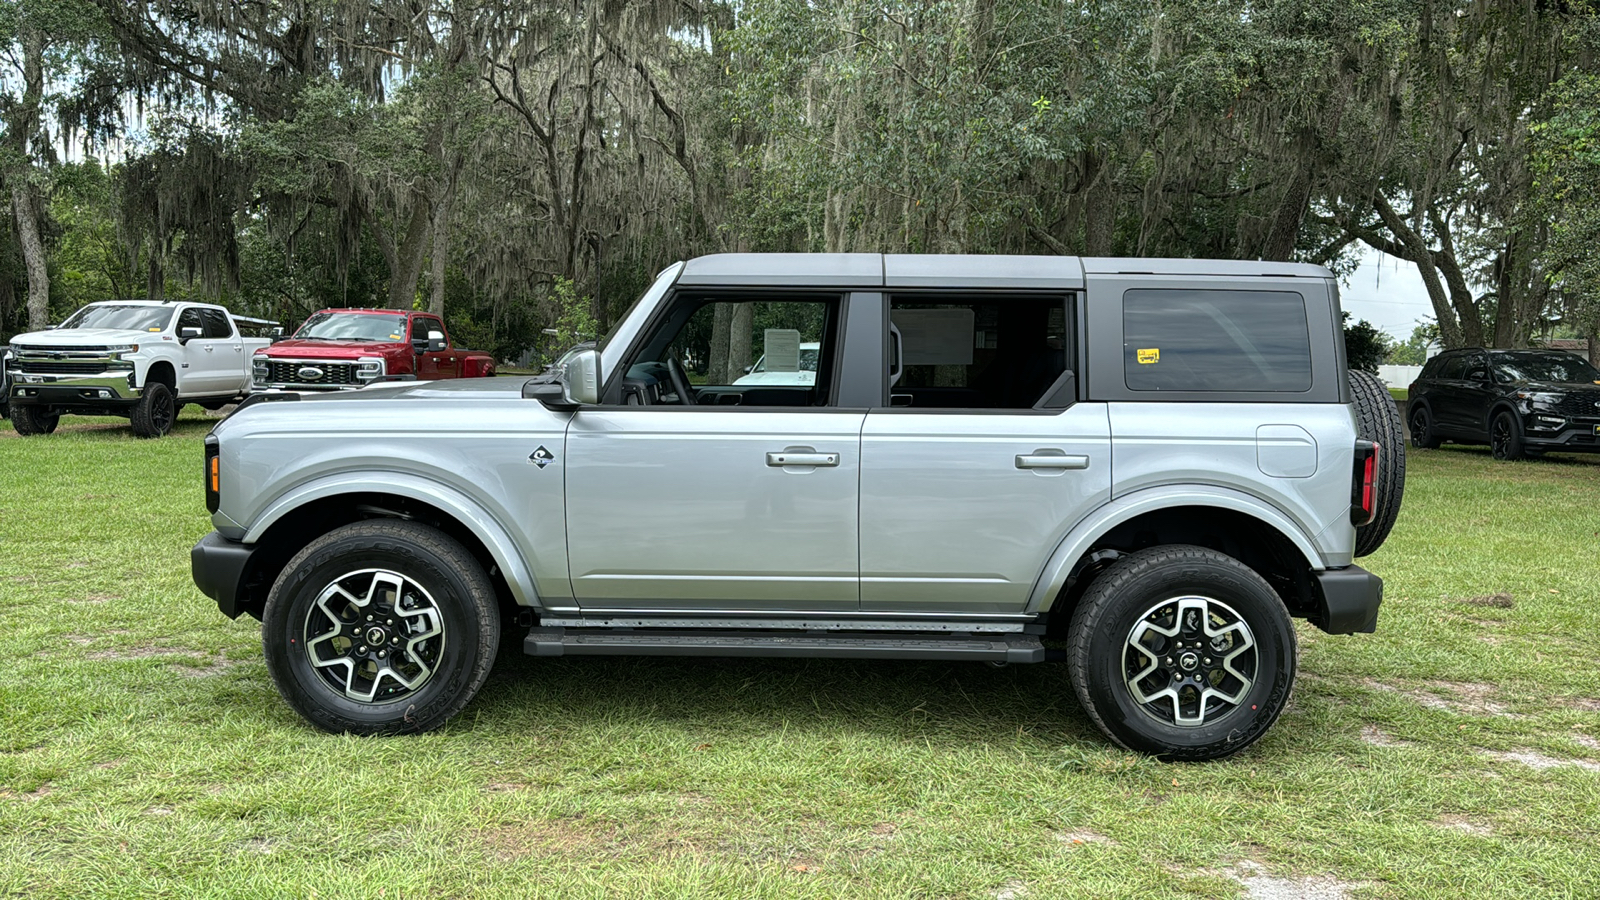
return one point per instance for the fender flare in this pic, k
(1494, 410)
(459, 506)
(1130, 506)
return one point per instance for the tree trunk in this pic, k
(408, 259)
(441, 254)
(739, 325)
(721, 321)
(26, 209)
(1099, 208)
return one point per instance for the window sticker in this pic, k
(396, 337)
(1147, 357)
(157, 330)
(781, 347)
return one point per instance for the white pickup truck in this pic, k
(136, 358)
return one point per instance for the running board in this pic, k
(1003, 648)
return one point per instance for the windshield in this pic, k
(663, 281)
(353, 327)
(124, 316)
(1550, 366)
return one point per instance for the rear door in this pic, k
(985, 457)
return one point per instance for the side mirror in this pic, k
(185, 334)
(51, 327)
(576, 384)
(433, 343)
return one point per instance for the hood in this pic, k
(88, 337)
(1560, 387)
(319, 349)
(455, 389)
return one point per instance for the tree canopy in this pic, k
(510, 160)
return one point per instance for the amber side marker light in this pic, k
(213, 476)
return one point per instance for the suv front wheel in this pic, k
(381, 627)
(1182, 652)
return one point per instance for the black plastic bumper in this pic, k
(1349, 599)
(220, 567)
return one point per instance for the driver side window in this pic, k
(738, 351)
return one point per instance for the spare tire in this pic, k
(1378, 421)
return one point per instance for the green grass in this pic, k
(1399, 393)
(144, 751)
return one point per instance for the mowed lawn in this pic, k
(144, 751)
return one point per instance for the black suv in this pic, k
(1519, 402)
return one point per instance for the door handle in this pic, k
(1051, 461)
(791, 458)
(210, 349)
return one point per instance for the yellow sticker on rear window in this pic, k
(1146, 357)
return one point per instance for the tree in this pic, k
(1365, 347)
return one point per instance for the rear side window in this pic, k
(1199, 340)
(217, 324)
(1452, 369)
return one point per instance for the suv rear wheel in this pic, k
(381, 627)
(1182, 652)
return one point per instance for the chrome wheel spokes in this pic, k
(374, 635)
(1189, 660)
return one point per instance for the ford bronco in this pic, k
(1143, 468)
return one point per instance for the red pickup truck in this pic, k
(341, 349)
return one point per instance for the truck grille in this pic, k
(334, 374)
(55, 367)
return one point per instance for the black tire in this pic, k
(436, 586)
(155, 412)
(1423, 437)
(1378, 420)
(32, 420)
(1149, 588)
(1505, 437)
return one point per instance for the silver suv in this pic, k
(1143, 468)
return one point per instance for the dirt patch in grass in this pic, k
(1587, 704)
(215, 666)
(1258, 885)
(1501, 600)
(1377, 737)
(1463, 824)
(1083, 837)
(1011, 890)
(144, 651)
(95, 598)
(1536, 760)
(1464, 697)
(575, 836)
(38, 793)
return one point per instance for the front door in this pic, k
(695, 489)
(985, 460)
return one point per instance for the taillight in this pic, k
(213, 474)
(1364, 484)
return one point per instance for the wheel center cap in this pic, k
(376, 635)
(1188, 660)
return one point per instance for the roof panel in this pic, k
(784, 270)
(1109, 265)
(981, 271)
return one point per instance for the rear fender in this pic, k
(1081, 538)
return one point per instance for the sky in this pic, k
(1388, 292)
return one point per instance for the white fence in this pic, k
(1399, 376)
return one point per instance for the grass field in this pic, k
(144, 751)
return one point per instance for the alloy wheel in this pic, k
(374, 635)
(1189, 660)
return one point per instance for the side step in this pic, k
(1007, 648)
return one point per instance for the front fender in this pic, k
(1130, 506)
(413, 487)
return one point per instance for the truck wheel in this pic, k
(1378, 420)
(1181, 652)
(380, 627)
(31, 420)
(155, 412)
